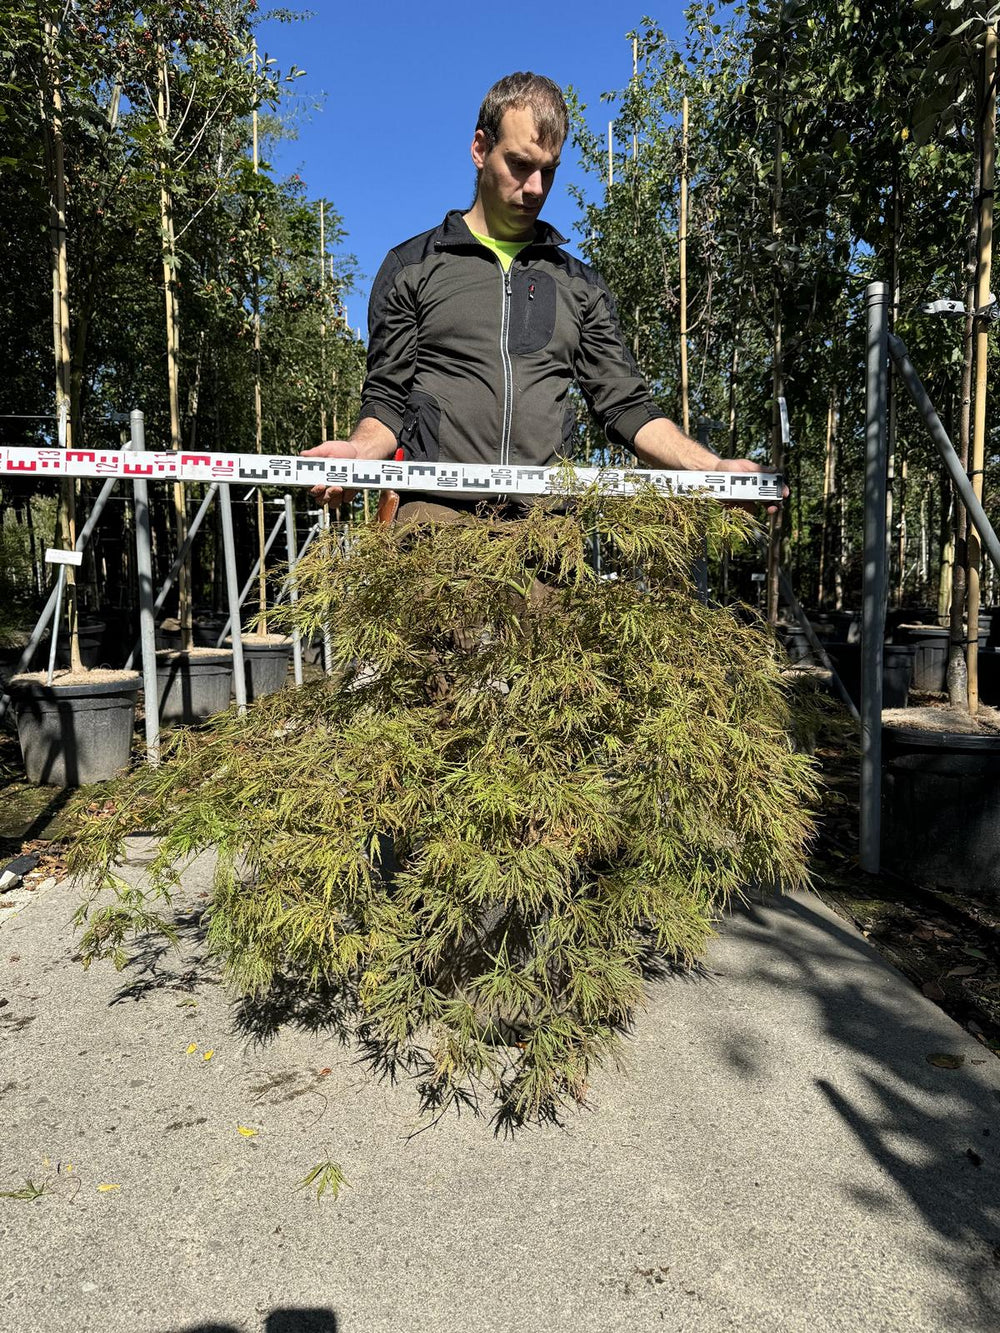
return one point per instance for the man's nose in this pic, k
(533, 185)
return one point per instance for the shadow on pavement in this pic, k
(933, 1131)
(286, 1320)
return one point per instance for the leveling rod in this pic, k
(468, 479)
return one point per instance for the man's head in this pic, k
(520, 132)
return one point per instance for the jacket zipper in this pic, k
(508, 371)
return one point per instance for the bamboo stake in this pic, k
(60, 326)
(168, 256)
(322, 327)
(985, 261)
(682, 247)
(777, 376)
(829, 489)
(257, 402)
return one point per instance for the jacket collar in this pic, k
(454, 231)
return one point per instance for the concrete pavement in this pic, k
(779, 1154)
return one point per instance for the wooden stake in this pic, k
(989, 102)
(611, 157)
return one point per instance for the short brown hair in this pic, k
(526, 90)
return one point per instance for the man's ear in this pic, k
(480, 148)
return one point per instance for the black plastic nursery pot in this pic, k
(941, 808)
(897, 669)
(930, 660)
(192, 686)
(837, 626)
(796, 643)
(75, 733)
(265, 661)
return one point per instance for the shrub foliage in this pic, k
(524, 786)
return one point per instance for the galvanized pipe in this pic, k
(293, 591)
(814, 642)
(875, 580)
(147, 619)
(946, 449)
(324, 524)
(233, 593)
(54, 637)
(245, 590)
(181, 556)
(310, 538)
(42, 623)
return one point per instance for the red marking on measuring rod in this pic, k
(483, 479)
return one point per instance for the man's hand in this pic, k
(332, 496)
(662, 444)
(747, 465)
(369, 439)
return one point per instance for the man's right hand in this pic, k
(332, 496)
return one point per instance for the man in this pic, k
(478, 328)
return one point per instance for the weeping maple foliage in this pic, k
(525, 787)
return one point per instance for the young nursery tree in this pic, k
(525, 785)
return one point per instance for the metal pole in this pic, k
(814, 642)
(41, 624)
(181, 556)
(324, 523)
(945, 447)
(293, 591)
(147, 621)
(233, 592)
(875, 576)
(245, 590)
(54, 637)
(310, 538)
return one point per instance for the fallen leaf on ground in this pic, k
(103, 1189)
(246, 1131)
(192, 1048)
(966, 970)
(922, 933)
(932, 990)
(973, 1157)
(942, 1060)
(208, 1055)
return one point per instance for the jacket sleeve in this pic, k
(607, 374)
(392, 346)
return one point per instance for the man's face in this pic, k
(515, 175)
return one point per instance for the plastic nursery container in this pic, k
(194, 685)
(78, 729)
(941, 807)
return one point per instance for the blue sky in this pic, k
(387, 108)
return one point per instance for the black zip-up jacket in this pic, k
(468, 364)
